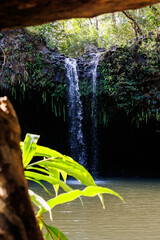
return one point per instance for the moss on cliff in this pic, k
(130, 74)
(29, 67)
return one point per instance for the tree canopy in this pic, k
(72, 37)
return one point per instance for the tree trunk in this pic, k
(97, 25)
(134, 24)
(114, 20)
(17, 217)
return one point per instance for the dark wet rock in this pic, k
(128, 74)
(131, 76)
(113, 48)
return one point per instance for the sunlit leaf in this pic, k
(40, 224)
(64, 175)
(37, 168)
(40, 183)
(72, 168)
(50, 172)
(47, 236)
(70, 196)
(58, 235)
(40, 202)
(49, 169)
(55, 173)
(49, 179)
(46, 152)
(29, 148)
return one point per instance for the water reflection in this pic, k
(138, 219)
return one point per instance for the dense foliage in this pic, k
(130, 75)
(74, 36)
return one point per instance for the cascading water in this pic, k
(94, 64)
(75, 115)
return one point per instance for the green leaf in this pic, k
(37, 168)
(55, 173)
(58, 235)
(62, 163)
(50, 171)
(49, 179)
(46, 152)
(29, 148)
(47, 236)
(50, 153)
(64, 175)
(40, 223)
(40, 183)
(69, 166)
(70, 196)
(40, 202)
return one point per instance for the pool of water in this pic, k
(137, 219)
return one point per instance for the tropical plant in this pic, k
(54, 169)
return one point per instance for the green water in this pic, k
(137, 219)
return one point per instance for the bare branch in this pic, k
(133, 23)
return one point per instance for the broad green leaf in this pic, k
(40, 202)
(72, 168)
(55, 173)
(40, 169)
(47, 236)
(64, 175)
(49, 171)
(50, 153)
(40, 183)
(62, 163)
(46, 152)
(49, 179)
(70, 196)
(29, 148)
(58, 235)
(56, 188)
(21, 145)
(40, 224)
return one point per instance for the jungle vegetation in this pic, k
(74, 36)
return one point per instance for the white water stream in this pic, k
(75, 114)
(94, 64)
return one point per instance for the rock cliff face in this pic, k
(33, 76)
(129, 75)
(31, 12)
(29, 64)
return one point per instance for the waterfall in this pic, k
(75, 115)
(94, 65)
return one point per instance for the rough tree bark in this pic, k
(17, 218)
(20, 13)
